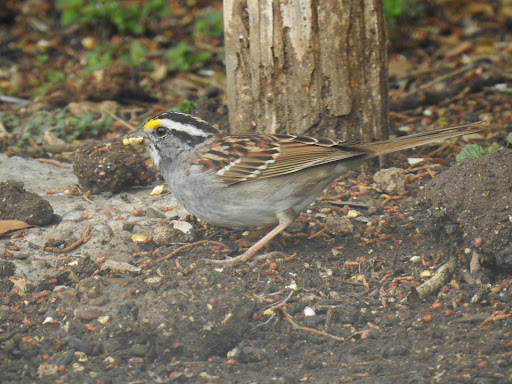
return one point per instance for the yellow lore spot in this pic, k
(152, 124)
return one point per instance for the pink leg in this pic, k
(285, 219)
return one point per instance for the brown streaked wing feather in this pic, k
(297, 155)
(262, 156)
(239, 157)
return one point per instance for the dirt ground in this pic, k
(342, 309)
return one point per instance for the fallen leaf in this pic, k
(12, 225)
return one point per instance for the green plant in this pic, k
(97, 59)
(183, 57)
(474, 151)
(40, 60)
(50, 79)
(209, 24)
(65, 127)
(397, 11)
(84, 125)
(186, 106)
(136, 56)
(110, 14)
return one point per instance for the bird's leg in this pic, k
(253, 236)
(286, 218)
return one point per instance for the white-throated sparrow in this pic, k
(255, 180)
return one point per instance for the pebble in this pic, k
(120, 266)
(140, 349)
(154, 214)
(390, 180)
(335, 225)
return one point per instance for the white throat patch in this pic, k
(153, 152)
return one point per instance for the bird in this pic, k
(255, 180)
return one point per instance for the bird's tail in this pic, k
(384, 147)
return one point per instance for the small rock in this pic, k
(7, 269)
(140, 349)
(60, 238)
(47, 370)
(153, 280)
(88, 314)
(335, 225)
(207, 377)
(234, 353)
(165, 234)
(183, 226)
(120, 266)
(390, 180)
(4, 312)
(18, 204)
(66, 358)
(66, 294)
(154, 214)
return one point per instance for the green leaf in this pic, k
(186, 106)
(136, 50)
(67, 4)
(470, 151)
(40, 59)
(509, 139)
(493, 147)
(209, 24)
(68, 17)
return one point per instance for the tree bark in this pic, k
(314, 67)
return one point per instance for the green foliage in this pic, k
(50, 79)
(184, 57)
(40, 60)
(186, 106)
(97, 60)
(209, 24)
(475, 151)
(45, 79)
(397, 11)
(508, 139)
(110, 14)
(136, 56)
(133, 54)
(62, 126)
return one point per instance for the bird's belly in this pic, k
(254, 203)
(241, 212)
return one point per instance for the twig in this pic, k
(51, 148)
(52, 162)
(124, 122)
(433, 284)
(86, 196)
(441, 78)
(67, 191)
(496, 316)
(14, 100)
(319, 233)
(177, 250)
(350, 203)
(84, 239)
(298, 327)
(422, 167)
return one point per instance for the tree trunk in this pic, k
(315, 67)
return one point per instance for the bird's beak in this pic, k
(135, 138)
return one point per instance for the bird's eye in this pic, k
(161, 131)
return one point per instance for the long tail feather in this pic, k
(401, 143)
